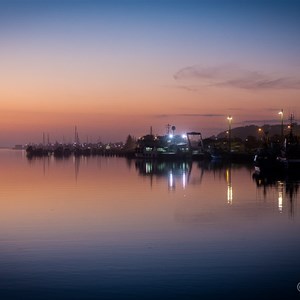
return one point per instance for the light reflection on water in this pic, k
(111, 228)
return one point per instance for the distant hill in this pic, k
(252, 130)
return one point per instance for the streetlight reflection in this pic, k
(280, 196)
(229, 186)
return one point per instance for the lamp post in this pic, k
(229, 118)
(260, 134)
(281, 118)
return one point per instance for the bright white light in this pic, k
(183, 180)
(171, 181)
(170, 136)
(148, 167)
(184, 136)
(280, 200)
(280, 197)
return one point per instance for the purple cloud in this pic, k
(233, 76)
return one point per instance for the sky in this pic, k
(114, 68)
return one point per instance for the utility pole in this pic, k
(281, 118)
(229, 118)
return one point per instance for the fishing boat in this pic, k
(196, 146)
(171, 146)
(283, 157)
(167, 147)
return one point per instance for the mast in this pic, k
(168, 126)
(76, 136)
(291, 123)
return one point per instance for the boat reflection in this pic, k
(189, 173)
(286, 186)
(176, 172)
(188, 176)
(47, 162)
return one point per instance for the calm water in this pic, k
(109, 228)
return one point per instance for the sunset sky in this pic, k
(115, 68)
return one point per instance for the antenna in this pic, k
(168, 126)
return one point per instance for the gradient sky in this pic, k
(118, 67)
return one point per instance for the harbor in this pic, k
(149, 150)
(277, 152)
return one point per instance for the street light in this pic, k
(281, 118)
(260, 133)
(229, 118)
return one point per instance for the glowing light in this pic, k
(227, 175)
(184, 136)
(229, 194)
(280, 196)
(229, 187)
(148, 167)
(171, 182)
(170, 136)
(229, 118)
(184, 180)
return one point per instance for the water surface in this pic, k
(111, 228)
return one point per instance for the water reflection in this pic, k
(229, 185)
(182, 174)
(179, 175)
(280, 195)
(176, 173)
(97, 225)
(76, 161)
(233, 181)
(286, 185)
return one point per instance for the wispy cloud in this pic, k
(189, 115)
(270, 121)
(232, 76)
